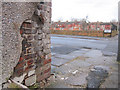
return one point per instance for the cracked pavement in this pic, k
(74, 58)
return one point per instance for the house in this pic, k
(99, 26)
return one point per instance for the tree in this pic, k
(83, 22)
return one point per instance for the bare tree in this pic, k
(83, 22)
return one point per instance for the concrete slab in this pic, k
(70, 67)
(105, 53)
(63, 49)
(93, 53)
(77, 53)
(69, 57)
(80, 64)
(58, 85)
(58, 61)
(96, 61)
(78, 79)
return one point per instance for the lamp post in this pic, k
(118, 57)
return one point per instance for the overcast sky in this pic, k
(96, 10)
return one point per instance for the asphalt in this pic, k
(84, 62)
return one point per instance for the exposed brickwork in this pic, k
(43, 72)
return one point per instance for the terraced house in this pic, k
(106, 28)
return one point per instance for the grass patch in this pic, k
(13, 85)
(34, 86)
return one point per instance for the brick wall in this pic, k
(26, 37)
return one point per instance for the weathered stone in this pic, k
(39, 31)
(46, 51)
(79, 79)
(37, 12)
(22, 27)
(39, 43)
(29, 50)
(30, 37)
(20, 79)
(31, 73)
(30, 31)
(38, 48)
(38, 37)
(40, 7)
(30, 80)
(48, 46)
(48, 56)
(44, 35)
(40, 53)
(96, 77)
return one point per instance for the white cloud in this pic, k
(97, 10)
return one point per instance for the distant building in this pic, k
(107, 27)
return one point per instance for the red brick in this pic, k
(29, 56)
(29, 25)
(28, 68)
(48, 70)
(23, 25)
(29, 62)
(21, 59)
(47, 61)
(19, 71)
(20, 65)
(21, 31)
(42, 77)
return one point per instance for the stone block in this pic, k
(30, 37)
(47, 61)
(42, 77)
(40, 31)
(46, 51)
(40, 7)
(29, 50)
(39, 43)
(44, 35)
(20, 79)
(32, 72)
(38, 48)
(30, 31)
(30, 80)
(48, 56)
(38, 37)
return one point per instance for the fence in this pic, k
(93, 33)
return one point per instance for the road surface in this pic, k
(75, 58)
(64, 44)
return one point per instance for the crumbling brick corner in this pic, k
(26, 41)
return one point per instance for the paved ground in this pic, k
(75, 58)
